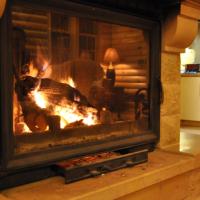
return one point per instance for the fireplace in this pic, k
(78, 82)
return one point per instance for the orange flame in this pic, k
(69, 81)
(32, 70)
(70, 113)
(40, 99)
(67, 110)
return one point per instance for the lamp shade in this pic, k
(111, 56)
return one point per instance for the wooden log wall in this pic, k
(104, 40)
(132, 46)
(132, 77)
(35, 25)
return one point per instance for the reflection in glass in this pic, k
(75, 72)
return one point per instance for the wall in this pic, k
(196, 46)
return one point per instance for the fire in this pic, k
(39, 99)
(68, 111)
(32, 70)
(21, 127)
(91, 119)
(26, 128)
(71, 112)
(69, 81)
(44, 72)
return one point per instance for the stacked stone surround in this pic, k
(170, 109)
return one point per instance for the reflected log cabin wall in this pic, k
(133, 48)
(35, 25)
(131, 44)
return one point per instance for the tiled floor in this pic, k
(193, 130)
(190, 140)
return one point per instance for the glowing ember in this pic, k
(70, 113)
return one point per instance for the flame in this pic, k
(32, 70)
(44, 72)
(21, 127)
(69, 81)
(45, 66)
(26, 128)
(68, 111)
(39, 99)
(91, 118)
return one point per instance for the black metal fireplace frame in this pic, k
(10, 163)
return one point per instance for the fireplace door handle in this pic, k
(95, 172)
(129, 163)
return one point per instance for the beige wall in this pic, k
(190, 98)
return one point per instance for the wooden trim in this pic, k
(190, 123)
(190, 75)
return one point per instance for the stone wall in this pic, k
(170, 109)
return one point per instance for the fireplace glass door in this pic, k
(76, 80)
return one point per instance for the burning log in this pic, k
(34, 116)
(39, 116)
(54, 122)
(36, 121)
(75, 124)
(62, 90)
(55, 91)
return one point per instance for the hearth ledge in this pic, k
(162, 166)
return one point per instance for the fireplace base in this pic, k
(26, 176)
(97, 168)
(126, 157)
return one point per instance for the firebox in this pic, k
(80, 90)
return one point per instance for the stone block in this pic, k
(171, 104)
(169, 130)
